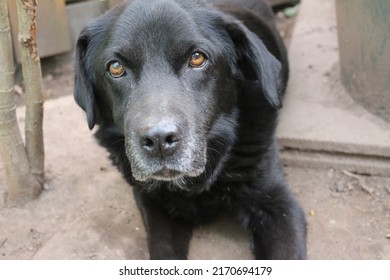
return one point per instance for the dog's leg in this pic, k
(279, 237)
(277, 223)
(167, 238)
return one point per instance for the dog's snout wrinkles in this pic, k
(161, 140)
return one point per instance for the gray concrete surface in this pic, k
(318, 115)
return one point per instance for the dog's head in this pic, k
(165, 74)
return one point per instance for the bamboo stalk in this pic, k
(22, 185)
(32, 76)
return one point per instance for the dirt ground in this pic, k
(87, 210)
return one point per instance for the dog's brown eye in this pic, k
(116, 69)
(197, 60)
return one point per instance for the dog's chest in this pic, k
(197, 208)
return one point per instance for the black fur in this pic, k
(193, 142)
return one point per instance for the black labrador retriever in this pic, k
(186, 95)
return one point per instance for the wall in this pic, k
(364, 41)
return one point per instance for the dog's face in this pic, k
(165, 74)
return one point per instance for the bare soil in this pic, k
(87, 211)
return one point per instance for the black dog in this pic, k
(186, 94)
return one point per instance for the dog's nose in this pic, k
(160, 141)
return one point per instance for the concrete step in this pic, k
(320, 124)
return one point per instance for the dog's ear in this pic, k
(255, 61)
(83, 88)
